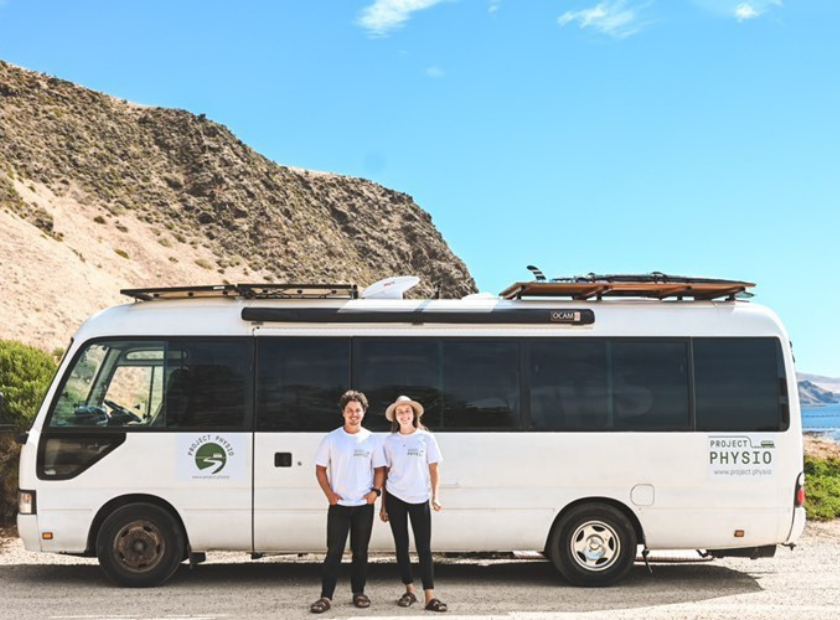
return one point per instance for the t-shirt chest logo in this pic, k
(362, 453)
(418, 449)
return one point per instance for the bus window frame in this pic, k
(248, 420)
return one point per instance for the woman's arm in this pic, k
(434, 476)
(383, 513)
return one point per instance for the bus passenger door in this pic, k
(299, 383)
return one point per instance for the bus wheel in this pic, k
(140, 545)
(593, 545)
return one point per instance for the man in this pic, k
(350, 468)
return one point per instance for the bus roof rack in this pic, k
(246, 291)
(299, 291)
(654, 285)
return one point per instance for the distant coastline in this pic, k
(822, 420)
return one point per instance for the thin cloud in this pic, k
(746, 11)
(741, 10)
(435, 72)
(384, 16)
(616, 18)
(494, 7)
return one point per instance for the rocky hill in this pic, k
(811, 394)
(829, 384)
(98, 194)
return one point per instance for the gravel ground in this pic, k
(804, 583)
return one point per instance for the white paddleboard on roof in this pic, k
(390, 288)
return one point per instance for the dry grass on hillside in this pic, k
(819, 447)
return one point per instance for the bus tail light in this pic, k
(26, 502)
(799, 493)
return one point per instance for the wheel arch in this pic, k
(620, 506)
(125, 500)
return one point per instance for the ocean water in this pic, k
(824, 420)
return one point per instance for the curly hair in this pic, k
(351, 396)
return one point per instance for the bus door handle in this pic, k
(282, 459)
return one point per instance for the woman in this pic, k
(411, 486)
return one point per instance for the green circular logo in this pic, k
(211, 455)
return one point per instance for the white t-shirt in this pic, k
(409, 457)
(350, 461)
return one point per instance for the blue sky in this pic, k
(697, 137)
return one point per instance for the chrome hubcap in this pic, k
(595, 546)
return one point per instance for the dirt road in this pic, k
(804, 583)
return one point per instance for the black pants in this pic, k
(358, 521)
(421, 524)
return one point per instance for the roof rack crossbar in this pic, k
(246, 291)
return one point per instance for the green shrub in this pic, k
(822, 488)
(25, 375)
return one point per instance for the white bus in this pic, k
(577, 418)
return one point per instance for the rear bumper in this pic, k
(766, 551)
(797, 526)
(28, 531)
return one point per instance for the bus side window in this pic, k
(299, 383)
(208, 384)
(650, 385)
(568, 380)
(481, 384)
(739, 385)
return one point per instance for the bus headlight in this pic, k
(26, 502)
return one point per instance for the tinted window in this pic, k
(738, 384)
(178, 384)
(386, 368)
(591, 385)
(650, 385)
(480, 384)
(569, 385)
(207, 384)
(299, 383)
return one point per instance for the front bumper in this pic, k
(28, 531)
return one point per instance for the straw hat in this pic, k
(403, 400)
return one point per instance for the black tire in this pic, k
(140, 545)
(593, 545)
